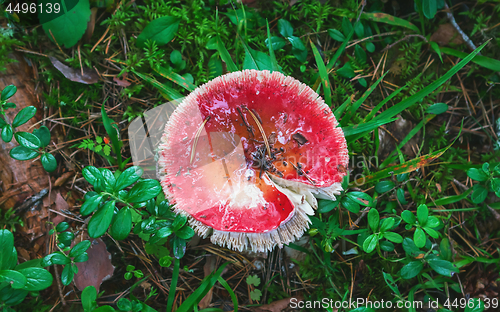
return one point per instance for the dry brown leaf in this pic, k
(61, 205)
(97, 269)
(89, 75)
(121, 83)
(277, 306)
(90, 26)
(208, 268)
(62, 179)
(446, 34)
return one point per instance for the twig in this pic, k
(63, 302)
(466, 38)
(404, 39)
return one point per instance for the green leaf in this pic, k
(384, 186)
(49, 162)
(432, 233)
(55, 258)
(350, 205)
(410, 248)
(476, 174)
(445, 249)
(185, 232)
(411, 269)
(408, 217)
(27, 140)
(387, 224)
(436, 49)
(89, 296)
(122, 224)
(325, 206)
(7, 133)
(92, 175)
(36, 278)
(479, 194)
(8, 92)
(422, 214)
(62, 226)
(179, 247)
(336, 35)
(23, 116)
(253, 280)
(67, 275)
(179, 221)
(124, 304)
(143, 191)
(373, 219)
(6, 246)
(429, 7)
(419, 238)
(15, 278)
(474, 305)
(165, 261)
(67, 26)
(255, 59)
(175, 78)
(79, 248)
(285, 28)
(393, 237)
(443, 267)
(161, 233)
(162, 30)
(360, 198)
(255, 294)
(101, 220)
(108, 178)
(437, 108)
(386, 246)
(346, 71)
(90, 205)
(225, 56)
(359, 29)
(81, 258)
(370, 243)
(400, 193)
(276, 42)
(170, 93)
(360, 54)
(113, 133)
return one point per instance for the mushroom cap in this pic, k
(247, 153)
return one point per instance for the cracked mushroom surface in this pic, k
(246, 155)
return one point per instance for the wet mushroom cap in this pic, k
(238, 152)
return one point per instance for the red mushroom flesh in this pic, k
(247, 153)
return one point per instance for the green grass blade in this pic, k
(338, 112)
(480, 60)
(113, 133)
(274, 62)
(249, 54)
(389, 19)
(175, 78)
(360, 101)
(169, 93)
(207, 283)
(173, 285)
(340, 50)
(231, 293)
(224, 54)
(396, 109)
(354, 132)
(323, 75)
(410, 135)
(379, 105)
(450, 199)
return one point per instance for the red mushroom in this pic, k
(245, 156)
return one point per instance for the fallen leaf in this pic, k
(95, 270)
(277, 306)
(90, 26)
(446, 34)
(89, 75)
(62, 179)
(121, 83)
(61, 205)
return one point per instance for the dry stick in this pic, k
(403, 39)
(466, 38)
